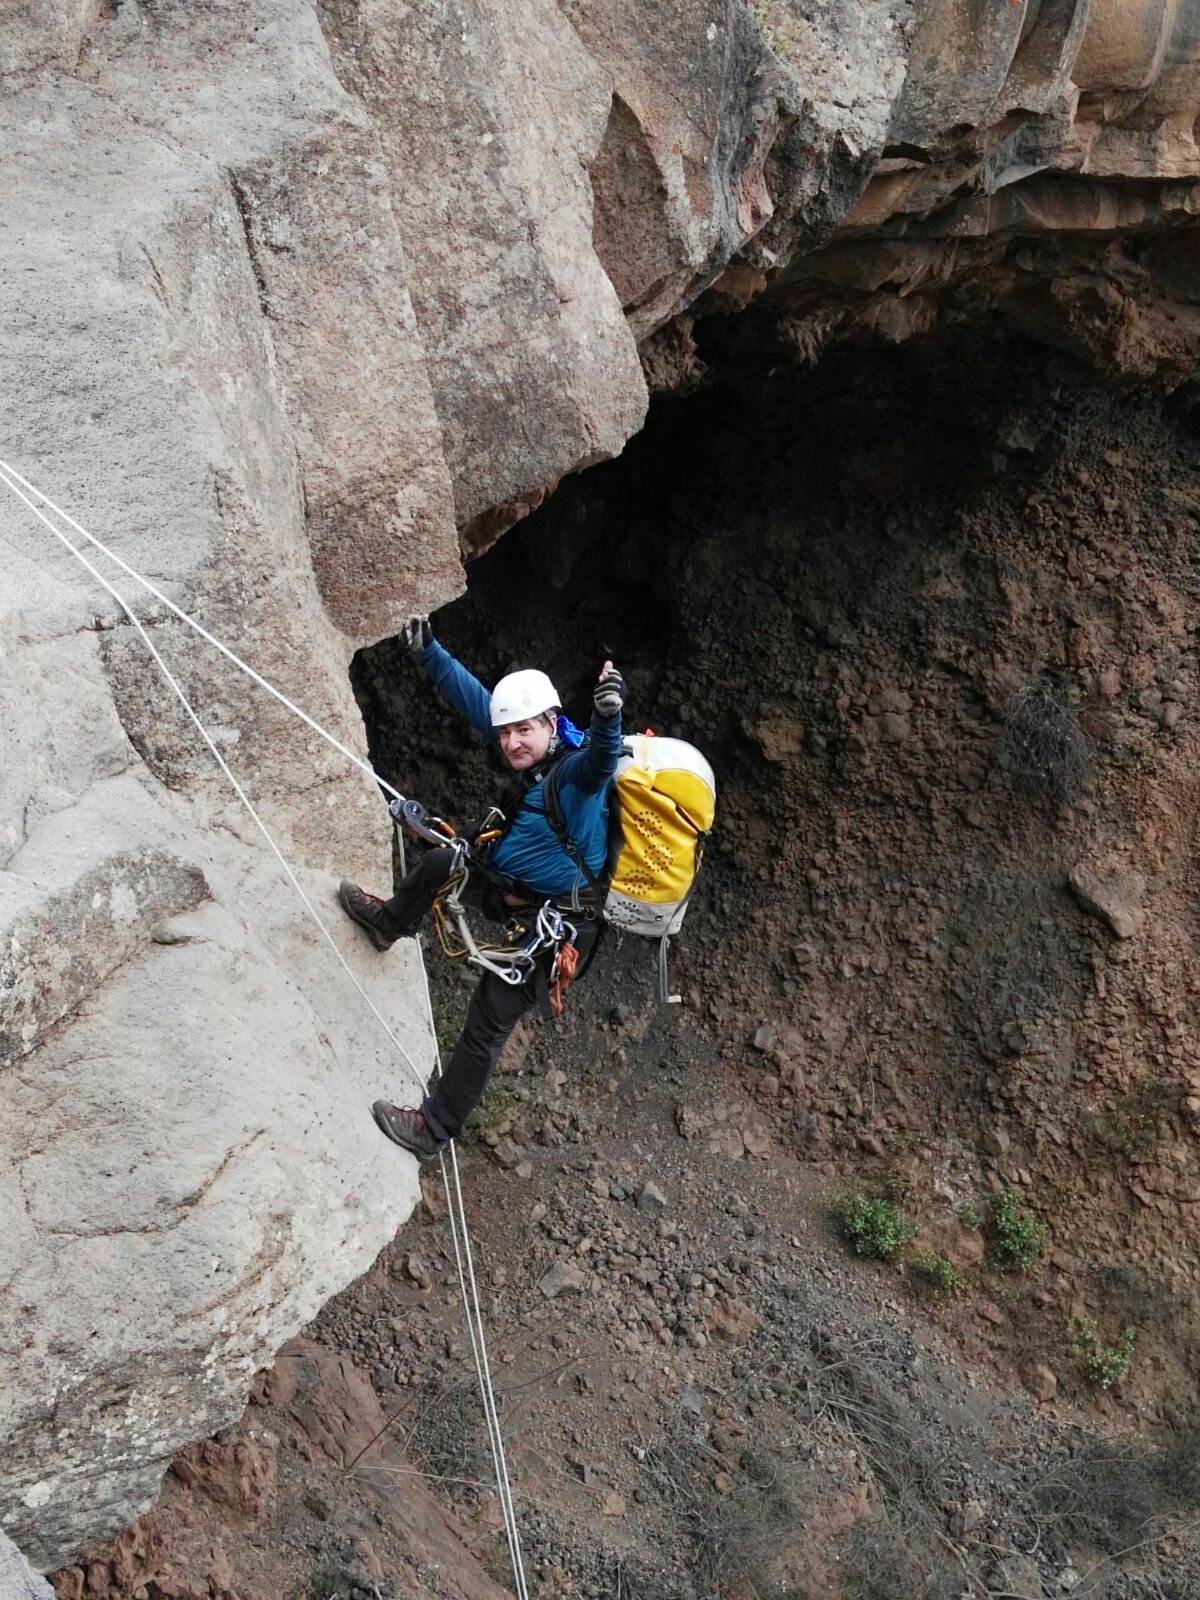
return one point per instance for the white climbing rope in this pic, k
(455, 1207)
(14, 479)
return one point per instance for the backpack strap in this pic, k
(556, 819)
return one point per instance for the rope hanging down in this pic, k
(455, 1208)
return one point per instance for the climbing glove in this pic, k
(417, 634)
(609, 694)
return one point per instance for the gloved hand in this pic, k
(417, 633)
(609, 694)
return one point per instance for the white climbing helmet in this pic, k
(522, 695)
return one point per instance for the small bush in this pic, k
(1044, 748)
(874, 1225)
(1114, 1494)
(1131, 1294)
(1015, 1236)
(970, 1215)
(1109, 1129)
(1105, 1364)
(883, 1561)
(934, 1272)
(770, 36)
(496, 1112)
(1130, 1126)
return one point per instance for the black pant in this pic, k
(415, 893)
(496, 1007)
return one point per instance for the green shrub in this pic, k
(937, 1273)
(1015, 1236)
(1105, 1364)
(874, 1225)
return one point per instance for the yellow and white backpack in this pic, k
(664, 799)
(665, 796)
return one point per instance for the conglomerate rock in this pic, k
(303, 300)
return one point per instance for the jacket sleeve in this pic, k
(461, 688)
(596, 763)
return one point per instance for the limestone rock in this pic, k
(488, 128)
(1002, 123)
(177, 1223)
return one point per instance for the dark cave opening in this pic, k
(834, 582)
(868, 592)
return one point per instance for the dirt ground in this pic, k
(932, 616)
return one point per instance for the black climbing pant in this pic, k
(415, 894)
(496, 1007)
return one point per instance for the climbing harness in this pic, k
(456, 1210)
(532, 930)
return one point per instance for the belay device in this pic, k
(534, 929)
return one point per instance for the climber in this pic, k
(526, 865)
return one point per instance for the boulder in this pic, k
(561, 1278)
(1111, 893)
(1041, 1381)
(651, 1201)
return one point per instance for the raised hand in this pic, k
(416, 633)
(609, 694)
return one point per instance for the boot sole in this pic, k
(379, 940)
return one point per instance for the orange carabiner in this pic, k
(566, 964)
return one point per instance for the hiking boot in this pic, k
(369, 911)
(408, 1129)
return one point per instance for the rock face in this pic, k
(303, 301)
(17, 1582)
(197, 277)
(1038, 163)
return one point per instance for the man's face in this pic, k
(523, 744)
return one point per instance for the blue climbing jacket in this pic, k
(530, 850)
